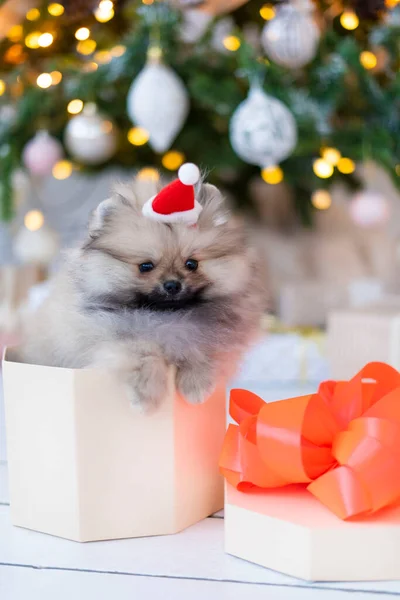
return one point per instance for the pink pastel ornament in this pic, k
(41, 153)
(368, 209)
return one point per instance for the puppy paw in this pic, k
(194, 386)
(146, 386)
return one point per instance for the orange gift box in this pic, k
(313, 483)
(84, 465)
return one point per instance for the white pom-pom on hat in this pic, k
(189, 174)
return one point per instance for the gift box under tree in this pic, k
(85, 466)
(313, 486)
(356, 336)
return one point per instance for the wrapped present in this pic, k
(313, 485)
(286, 354)
(307, 303)
(84, 465)
(356, 336)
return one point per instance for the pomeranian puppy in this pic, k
(139, 296)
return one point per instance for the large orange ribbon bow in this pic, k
(343, 442)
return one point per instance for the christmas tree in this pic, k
(293, 91)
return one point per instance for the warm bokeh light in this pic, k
(331, 155)
(90, 67)
(148, 2)
(33, 220)
(149, 174)
(272, 175)
(322, 168)
(102, 16)
(346, 166)
(368, 60)
(321, 199)
(15, 54)
(32, 39)
(267, 12)
(15, 33)
(173, 160)
(62, 169)
(33, 14)
(45, 40)
(232, 43)
(82, 33)
(106, 5)
(44, 80)
(75, 106)
(349, 20)
(118, 51)
(2, 87)
(56, 77)
(103, 57)
(138, 136)
(86, 47)
(392, 3)
(55, 9)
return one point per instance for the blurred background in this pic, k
(292, 107)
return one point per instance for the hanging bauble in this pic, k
(194, 25)
(91, 136)
(262, 130)
(369, 209)
(222, 29)
(291, 38)
(41, 153)
(36, 246)
(158, 101)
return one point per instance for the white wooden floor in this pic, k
(191, 565)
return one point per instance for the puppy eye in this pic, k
(146, 267)
(191, 264)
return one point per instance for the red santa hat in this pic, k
(176, 203)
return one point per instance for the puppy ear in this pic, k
(215, 213)
(102, 214)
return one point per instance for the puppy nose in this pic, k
(172, 287)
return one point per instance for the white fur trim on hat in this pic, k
(189, 217)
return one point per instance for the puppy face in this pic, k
(132, 261)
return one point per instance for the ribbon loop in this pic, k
(343, 442)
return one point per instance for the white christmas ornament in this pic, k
(91, 136)
(37, 247)
(222, 29)
(291, 38)
(263, 131)
(194, 25)
(41, 153)
(158, 102)
(368, 209)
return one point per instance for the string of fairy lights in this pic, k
(324, 166)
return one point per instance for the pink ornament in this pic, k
(368, 209)
(41, 153)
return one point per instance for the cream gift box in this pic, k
(360, 335)
(85, 466)
(290, 531)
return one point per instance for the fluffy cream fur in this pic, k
(102, 311)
